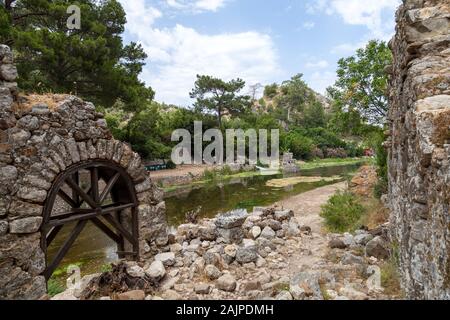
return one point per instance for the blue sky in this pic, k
(259, 41)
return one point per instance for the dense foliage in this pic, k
(92, 62)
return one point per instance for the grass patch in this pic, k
(342, 212)
(322, 163)
(54, 287)
(376, 213)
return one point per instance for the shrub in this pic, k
(342, 212)
(170, 165)
(209, 174)
(226, 171)
(54, 287)
(299, 145)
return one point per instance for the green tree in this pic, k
(220, 97)
(361, 87)
(295, 95)
(271, 90)
(91, 62)
(314, 116)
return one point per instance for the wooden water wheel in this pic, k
(97, 191)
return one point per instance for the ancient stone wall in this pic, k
(39, 141)
(419, 168)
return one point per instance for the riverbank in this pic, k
(192, 176)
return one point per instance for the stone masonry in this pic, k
(37, 144)
(419, 168)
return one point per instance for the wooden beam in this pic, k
(65, 248)
(86, 216)
(81, 193)
(103, 227)
(109, 187)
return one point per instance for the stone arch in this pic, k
(41, 138)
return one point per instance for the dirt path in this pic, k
(307, 207)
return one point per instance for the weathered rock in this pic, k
(172, 295)
(207, 232)
(135, 295)
(377, 248)
(246, 254)
(293, 230)
(156, 271)
(231, 219)
(251, 285)
(212, 272)
(25, 225)
(349, 259)
(202, 288)
(167, 258)
(363, 239)
(135, 271)
(226, 283)
(305, 285)
(234, 235)
(212, 257)
(255, 232)
(284, 295)
(283, 215)
(337, 244)
(3, 227)
(268, 233)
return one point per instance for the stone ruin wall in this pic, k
(419, 168)
(38, 143)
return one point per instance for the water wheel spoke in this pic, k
(65, 248)
(94, 185)
(121, 229)
(76, 179)
(67, 198)
(85, 214)
(52, 234)
(103, 227)
(76, 188)
(109, 187)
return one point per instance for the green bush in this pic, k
(299, 145)
(342, 212)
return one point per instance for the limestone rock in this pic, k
(25, 225)
(212, 272)
(377, 248)
(268, 233)
(246, 254)
(135, 295)
(172, 295)
(202, 288)
(231, 219)
(226, 283)
(167, 258)
(156, 271)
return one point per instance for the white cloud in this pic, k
(368, 13)
(322, 64)
(348, 48)
(178, 54)
(196, 5)
(308, 25)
